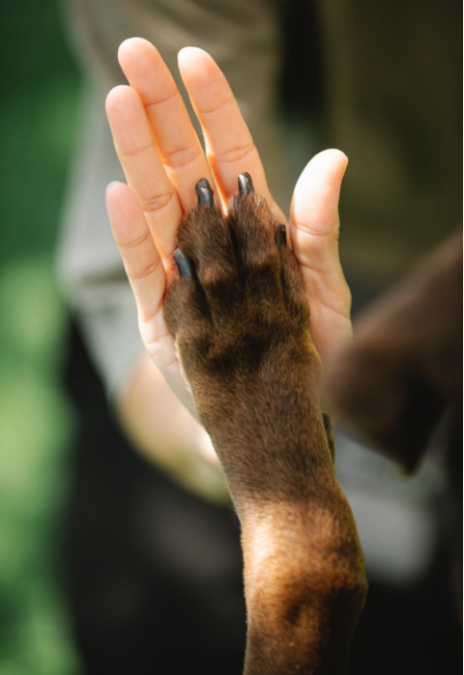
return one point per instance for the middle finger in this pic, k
(229, 143)
(177, 142)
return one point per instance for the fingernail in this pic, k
(281, 239)
(204, 193)
(245, 184)
(184, 265)
(111, 185)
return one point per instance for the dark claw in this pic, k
(204, 193)
(184, 265)
(245, 184)
(281, 239)
(327, 422)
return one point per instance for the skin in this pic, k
(162, 160)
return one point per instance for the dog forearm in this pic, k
(305, 586)
(304, 575)
(241, 324)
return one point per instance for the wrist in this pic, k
(162, 430)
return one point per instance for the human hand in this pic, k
(162, 159)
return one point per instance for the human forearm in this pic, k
(163, 431)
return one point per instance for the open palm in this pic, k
(162, 159)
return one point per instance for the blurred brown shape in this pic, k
(403, 369)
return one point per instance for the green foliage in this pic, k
(37, 129)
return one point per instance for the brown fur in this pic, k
(392, 384)
(242, 329)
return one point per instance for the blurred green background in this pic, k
(38, 116)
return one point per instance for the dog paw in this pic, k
(239, 293)
(240, 319)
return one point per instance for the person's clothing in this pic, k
(152, 574)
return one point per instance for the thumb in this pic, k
(314, 231)
(314, 218)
